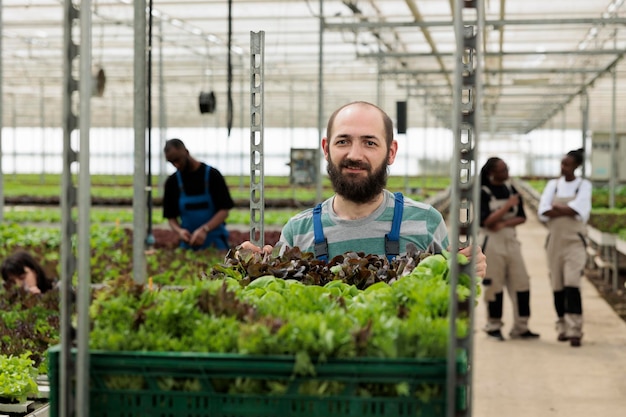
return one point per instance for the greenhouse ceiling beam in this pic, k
(492, 54)
(502, 71)
(412, 5)
(490, 86)
(504, 96)
(496, 23)
(582, 89)
(533, 94)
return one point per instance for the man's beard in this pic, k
(354, 187)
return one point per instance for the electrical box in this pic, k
(601, 157)
(302, 165)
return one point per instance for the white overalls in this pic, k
(505, 267)
(566, 251)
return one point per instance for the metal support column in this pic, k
(1, 119)
(465, 193)
(140, 201)
(68, 200)
(320, 106)
(257, 196)
(613, 171)
(584, 110)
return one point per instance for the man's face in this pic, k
(357, 153)
(179, 158)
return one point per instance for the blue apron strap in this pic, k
(207, 171)
(321, 243)
(392, 239)
(179, 179)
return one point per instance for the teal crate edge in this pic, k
(254, 405)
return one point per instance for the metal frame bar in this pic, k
(493, 22)
(492, 54)
(68, 200)
(257, 195)
(465, 200)
(84, 207)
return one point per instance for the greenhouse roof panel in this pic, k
(539, 59)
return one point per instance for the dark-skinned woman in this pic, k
(501, 211)
(565, 206)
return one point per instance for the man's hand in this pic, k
(267, 249)
(480, 262)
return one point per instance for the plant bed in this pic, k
(356, 337)
(168, 239)
(608, 220)
(220, 385)
(15, 407)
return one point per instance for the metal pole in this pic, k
(584, 109)
(68, 225)
(84, 208)
(320, 105)
(425, 143)
(1, 121)
(241, 122)
(162, 112)
(149, 242)
(406, 141)
(42, 124)
(465, 193)
(257, 84)
(139, 122)
(613, 173)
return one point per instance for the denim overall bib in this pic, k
(392, 239)
(196, 210)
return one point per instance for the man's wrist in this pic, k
(206, 228)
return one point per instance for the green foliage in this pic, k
(275, 187)
(17, 377)
(608, 220)
(29, 323)
(601, 197)
(111, 254)
(394, 317)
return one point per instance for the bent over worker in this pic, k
(197, 195)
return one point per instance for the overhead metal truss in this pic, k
(371, 49)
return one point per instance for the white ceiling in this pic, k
(539, 56)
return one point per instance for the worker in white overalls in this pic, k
(565, 206)
(501, 212)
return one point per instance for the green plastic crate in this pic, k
(168, 384)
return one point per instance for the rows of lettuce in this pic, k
(290, 303)
(29, 324)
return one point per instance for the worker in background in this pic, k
(501, 211)
(363, 216)
(565, 206)
(21, 269)
(196, 194)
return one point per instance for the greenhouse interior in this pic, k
(153, 300)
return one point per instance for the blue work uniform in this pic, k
(196, 210)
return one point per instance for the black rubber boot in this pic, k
(573, 302)
(559, 303)
(495, 307)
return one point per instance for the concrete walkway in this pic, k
(546, 378)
